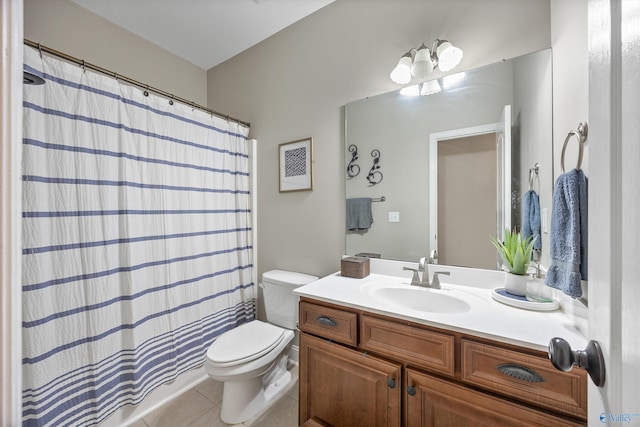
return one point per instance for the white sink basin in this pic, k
(422, 299)
(445, 301)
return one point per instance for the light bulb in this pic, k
(413, 90)
(448, 56)
(430, 87)
(402, 73)
(422, 64)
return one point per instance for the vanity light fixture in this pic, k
(420, 62)
(427, 88)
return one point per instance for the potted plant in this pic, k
(515, 253)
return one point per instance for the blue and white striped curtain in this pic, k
(137, 248)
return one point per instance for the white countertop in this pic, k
(487, 318)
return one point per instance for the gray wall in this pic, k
(64, 26)
(570, 77)
(569, 37)
(296, 83)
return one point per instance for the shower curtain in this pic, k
(137, 248)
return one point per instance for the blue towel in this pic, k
(531, 218)
(569, 234)
(359, 215)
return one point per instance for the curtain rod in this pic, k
(131, 81)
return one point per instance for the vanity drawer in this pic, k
(525, 377)
(334, 324)
(418, 347)
(432, 401)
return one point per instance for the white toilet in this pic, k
(251, 359)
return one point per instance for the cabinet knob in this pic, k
(391, 383)
(589, 359)
(411, 390)
(326, 321)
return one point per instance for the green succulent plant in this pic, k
(514, 251)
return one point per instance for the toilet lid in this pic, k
(244, 343)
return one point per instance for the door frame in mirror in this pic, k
(504, 171)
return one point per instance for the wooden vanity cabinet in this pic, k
(347, 388)
(363, 369)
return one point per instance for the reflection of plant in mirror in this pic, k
(515, 251)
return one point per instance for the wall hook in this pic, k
(375, 176)
(352, 168)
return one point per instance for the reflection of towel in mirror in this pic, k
(359, 215)
(569, 234)
(531, 218)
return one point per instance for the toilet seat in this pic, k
(245, 343)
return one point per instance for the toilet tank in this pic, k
(280, 303)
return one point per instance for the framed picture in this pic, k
(296, 165)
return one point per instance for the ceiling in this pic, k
(203, 32)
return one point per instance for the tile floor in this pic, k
(200, 407)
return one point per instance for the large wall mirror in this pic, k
(449, 168)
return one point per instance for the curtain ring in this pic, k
(564, 148)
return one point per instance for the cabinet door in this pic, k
(343, 387)
(431, 401)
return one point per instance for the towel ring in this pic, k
(581, 134)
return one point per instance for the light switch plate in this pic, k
(394, 216)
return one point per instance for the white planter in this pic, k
(515, 284)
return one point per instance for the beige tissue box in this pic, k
(356, 267)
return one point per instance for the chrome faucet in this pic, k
(423, 267)
(419, 279)
(435, 283)
(415, 280)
